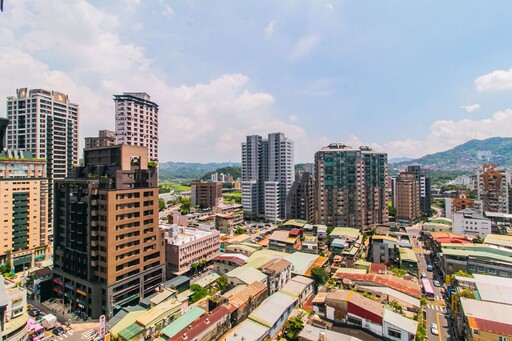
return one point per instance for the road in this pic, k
(436, 309)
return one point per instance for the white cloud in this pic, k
(293, 118)
(329, 6)
(495, 81)
(471, 107)
(199, 122)
(446, 134)
(269, 29)
(304, 46)
(168, 11)
(130, 5)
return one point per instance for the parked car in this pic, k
(433, 329)
(34, 312)
(436, 283)
(58, 331)
(430, 268)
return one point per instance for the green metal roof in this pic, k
(182, 322)
(131, 331)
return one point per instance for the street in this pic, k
(436, 310)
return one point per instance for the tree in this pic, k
(198, 293)
(222, 283)
(478, 240)
(185, 205)
(319, 276)
(392, 211)
(161, 204)
(397, 308)
(423, 301)
(292, 327)
(239, 230)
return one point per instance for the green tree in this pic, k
(198, 293)
(392, 211)
(222, 283)
(397, 308)
(161, 204)
(185, 205)
(319, 276)
(239, 230)
(292, 327)
(423, 301)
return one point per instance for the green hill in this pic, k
(469, 156)
(235, 172)
(190, 171)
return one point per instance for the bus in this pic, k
(35, 330)
(427, 288)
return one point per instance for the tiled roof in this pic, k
(207, 320)
(275, 265)
(377, 268)
(319, 262)
(503, 329)
(407, 287)
(241, 297)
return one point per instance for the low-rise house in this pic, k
(244, 248)
(346, 242)
(312, 333)
(244, 299)
(500, 241)
(182, 322)
(384, 249)
(236, 210)
(481, 320)
(408, 260)
(208, 327)
(321, 231)
(310, 244)
(226, 262)
(285, 241)
(471, 222)
(245, 275)
(398, 327)
(266, 320)
(207, 281)
(300, 287)
(279, 272)
(178, 283)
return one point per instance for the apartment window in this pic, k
(492, 271)
(481, 269)
(471, 267)
(394, 333)
(502, 338)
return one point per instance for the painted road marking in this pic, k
(439, 327)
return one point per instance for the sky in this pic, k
(406, 77)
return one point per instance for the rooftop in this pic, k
(312, 333)
(408, 255)
(207, 280)
(499, 240)
(275, 265)
(345, 232)
(393, 293)
(200, 325)
(178, 235)
(280, 236)
(296, 285)
(493, 288)
(182, 322)
(271, 309)
(240, 297)
(236, 258)
(247, 330)
(295, 222)
(488, 316)
(399, 284)
(400, 321)
(247, 274)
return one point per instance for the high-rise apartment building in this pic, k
(407, 198)
(137, 121)
(493, 188)
(267, 174)
(105, 138)
(45, 123)
(24, 210)
(3, 129)
(300, 203)
(423, 177)
(206, 194)
(351, 186)
(108, 248)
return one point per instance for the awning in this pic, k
(81, 292)
(57, 291)
(56, 281)
(22, 260)
(41, 256)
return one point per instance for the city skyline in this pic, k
(439, 71)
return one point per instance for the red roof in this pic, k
(494, 327)
(378, 268)
(295, 232)
(234, 259)
(395, 283)
(452, 240)
(203, 323)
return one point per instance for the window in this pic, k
(502, 338)
(394, 333)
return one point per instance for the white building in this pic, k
(267, 174)
(137, 121)
(45, 123)
(471, 222)
(13, 311)
(398, 327)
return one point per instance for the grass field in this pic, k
(174, 186)
(235, 196)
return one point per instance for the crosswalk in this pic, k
(65, 335)
(437, 308)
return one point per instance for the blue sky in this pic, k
(407, 77)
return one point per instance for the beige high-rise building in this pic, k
(407, 194)
(23, 210)
(109, 250)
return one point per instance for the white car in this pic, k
(436, 283)
(433, 329)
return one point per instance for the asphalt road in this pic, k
(436, 310)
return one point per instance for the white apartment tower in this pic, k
(267, 174)
(137, 121)
(46, 124)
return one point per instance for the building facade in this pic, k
(351, 186)
(137, 121)
(46, 124)
(424, 192)
(13, 311)
(206, 194)
(24, 207)
(408, 204)
(267, 175)
(471, 222)
(300, 203)
(492, 185)
(108, 248)
(105, 138)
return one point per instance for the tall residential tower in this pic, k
(351, 186)
(137, 121)
(45, 123)
(267, 174)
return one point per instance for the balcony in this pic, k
(94, 223)
(94, 263)
(94, 253)
(94, 243)
(94, 233)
